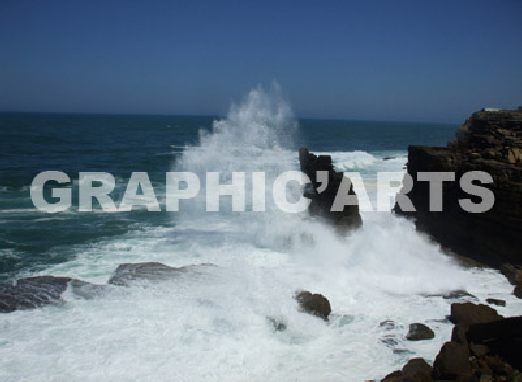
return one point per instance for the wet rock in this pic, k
(33, 292)
(128, 273)
(322, 198)
(503, 338)
(496, 301)
(387, 324)
(313, 303)
(390, 340)
(416, 370)
(468, 313)
(452, 362)
(419, 332)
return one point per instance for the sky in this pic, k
(378, 60)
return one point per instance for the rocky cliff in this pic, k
(489, 141)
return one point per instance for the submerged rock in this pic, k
(322, 196)
(278, 324)
(419, 332)
(127, 273)
(313, 303)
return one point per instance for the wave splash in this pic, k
(214, 326)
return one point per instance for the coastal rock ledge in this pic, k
(489, 141)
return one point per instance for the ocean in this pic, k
(213, 326)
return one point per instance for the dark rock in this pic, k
(419, 332)
(321, 201)
(503, 337)
(127, 273)
(456, 294)
(312, 303)
(417, 370)
(390, 341)
(387, 324)
(496, 301)
(518, 291)
(489, 142)
(478, 350)
(468, 313)
(458, 334)
(452, 362)
(33, 292)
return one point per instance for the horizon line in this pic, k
(299, 118)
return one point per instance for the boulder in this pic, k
(468, 313)
(128, 273)
(417, 370)
(313, 303)
(452, 362)
(321, 197)
(419, 332)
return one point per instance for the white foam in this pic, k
(213, 326)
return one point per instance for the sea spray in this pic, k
(213, 326)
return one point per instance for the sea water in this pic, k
(213, 325)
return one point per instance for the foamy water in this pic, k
(213, 326)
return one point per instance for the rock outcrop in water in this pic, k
(313, 303)
(489, 142)
(37, 291)
(322, 198)
(484, 346)
(127, 273)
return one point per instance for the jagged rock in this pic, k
(468, 313)
(127, 273)
(496, 301)
(503, 337)
(489, 142)
(452, 362)
(321, 201)
(416, 370)
(419, 332)
(35, 291)
(312, 303)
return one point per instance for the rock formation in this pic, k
(323, 199)
(484, 346)
(489, 142)
(37, 291)
(313, 303)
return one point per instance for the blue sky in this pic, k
(383, 60)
